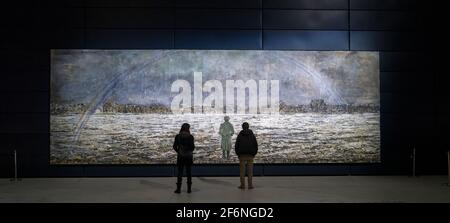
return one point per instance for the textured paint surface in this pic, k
(113, 106)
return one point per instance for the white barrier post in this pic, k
(448, 164)
(414, 162)
(15, 167)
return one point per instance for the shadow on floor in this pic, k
(215, 181)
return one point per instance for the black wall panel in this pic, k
(129, 3)
(305, 40)
(129, 39)
(24, 122)
(218, 4)
(402, 61)
(26, 143)
(15, 61)
(24, 101)
(385, 41)
(20, 39)
(441, 86)
(395, 130)
(306, 19)
(21, 19)
(307, 170)
(384, 4)
(407, 103)
(223, 170)
(56, 39)
(399, 82)
(217, 39)
(218, 19)
(6, 165)
(384, 20)
(415, 112)
(54, 3)
(442, 125)
(306, 4)
(39, 163)
(129, 18)
(54, 18)
(96, 171)
(25, 81)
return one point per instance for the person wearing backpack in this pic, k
(184, 146)
(246, 148)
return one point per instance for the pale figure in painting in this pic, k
(226, 132)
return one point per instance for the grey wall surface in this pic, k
(414, 108)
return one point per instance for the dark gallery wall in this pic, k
(414, 102)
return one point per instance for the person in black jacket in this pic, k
(184, 146)
(246, 148)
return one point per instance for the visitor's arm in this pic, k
(256, 143)
(192, 143)
(236, 145)
(175, 144)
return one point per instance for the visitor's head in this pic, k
(226, 118)
(245, 126)
(185, 128)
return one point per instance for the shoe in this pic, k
(241, 187)
(250, 187)
(189, 188)
(178, 190)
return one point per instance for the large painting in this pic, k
(126, 106)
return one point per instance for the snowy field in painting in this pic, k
(147, 138)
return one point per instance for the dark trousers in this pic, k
(188, 173)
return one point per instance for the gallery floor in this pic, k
(224, 189)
